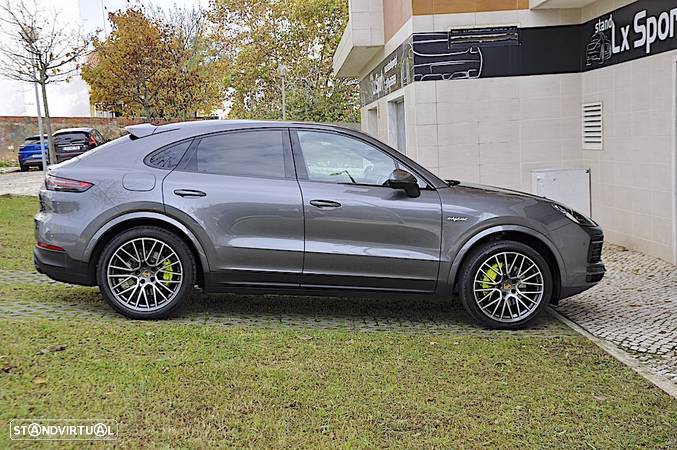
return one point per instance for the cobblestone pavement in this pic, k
(21, 183)
(634, 307)
(417, 315)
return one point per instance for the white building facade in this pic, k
(496, 91)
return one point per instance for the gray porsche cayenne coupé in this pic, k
(281, 207)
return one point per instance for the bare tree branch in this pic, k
(39, 48)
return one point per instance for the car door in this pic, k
(238, 188)
(360, 234)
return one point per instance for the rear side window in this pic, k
(167, 157)
(259, 153)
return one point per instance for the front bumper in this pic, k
(60, 267)
(594, 268)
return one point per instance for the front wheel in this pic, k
(505, 284)
(146, 272)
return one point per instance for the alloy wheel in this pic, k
(508, 286)
(144, 274)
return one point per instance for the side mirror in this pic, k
(401, 179)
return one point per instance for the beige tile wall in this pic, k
(496, 131)
(633, 177)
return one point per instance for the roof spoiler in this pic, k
(141, 130)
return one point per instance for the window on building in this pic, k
(372, 122)
(397, 125)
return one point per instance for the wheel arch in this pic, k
(525, 235)
(147, 218)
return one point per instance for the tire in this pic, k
(141, 257)
(496, 294)
(23, 168)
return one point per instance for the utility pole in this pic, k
(42, 138)
(37, 105)
(282, 71)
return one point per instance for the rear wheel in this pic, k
(23, 168)
(146, 272)
(505, 284)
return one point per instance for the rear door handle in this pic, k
(189, 193)
(325, 204)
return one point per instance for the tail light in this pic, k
(47, 246)
(53, 183)
(91, 140)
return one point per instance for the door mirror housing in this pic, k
(401, 179)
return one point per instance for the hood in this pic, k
(470, 187)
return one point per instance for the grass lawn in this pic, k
(16, 232)
(182, 385)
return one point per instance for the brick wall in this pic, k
(14, 129)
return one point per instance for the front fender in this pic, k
(471, 241)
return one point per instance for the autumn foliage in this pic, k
(152, 68)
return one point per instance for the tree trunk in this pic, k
(48, 123)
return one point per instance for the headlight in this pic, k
(574, 216)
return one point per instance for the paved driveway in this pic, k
(634, 307)
(21, 183)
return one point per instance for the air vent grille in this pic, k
(592, 126)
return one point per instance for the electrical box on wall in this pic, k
(568, 186)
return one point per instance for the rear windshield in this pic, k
(32, 140)
(71, 138)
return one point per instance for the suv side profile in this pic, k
(298, 208)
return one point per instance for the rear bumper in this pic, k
(60, 267)
(30, 160)
(60, 157)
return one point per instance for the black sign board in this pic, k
(393, 73)
(643, 28)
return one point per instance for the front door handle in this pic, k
(189, 193)
(325, 204)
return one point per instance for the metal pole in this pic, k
(284, 101)
(282, 72)
(42, 143)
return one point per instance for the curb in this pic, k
(8, 170)
(657, 380)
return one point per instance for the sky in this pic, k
(93, 12)
(72, 98)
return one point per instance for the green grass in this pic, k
(187, 385)
(182, 385)
(9, 163)
(16, 232)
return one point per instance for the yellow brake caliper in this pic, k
(167, 275)
(490, 276)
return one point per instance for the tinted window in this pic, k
(248, 153)
(70, 138)
(341, 159)
(168, 157)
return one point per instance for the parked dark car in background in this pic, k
(68, 143)
(282, 207)
(30, 154)
(72, 142)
